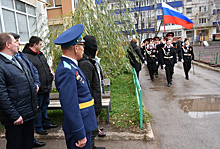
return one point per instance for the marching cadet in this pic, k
(169, 59)
(170, 36)
(188, 57)
(156, 45)
(143, 47)
(160, 53)
(74, 94)
(151, 57)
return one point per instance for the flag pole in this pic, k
(164, 29)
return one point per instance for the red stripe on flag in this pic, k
(175, 20)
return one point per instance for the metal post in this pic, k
(141, 110)
(216, 60)
(199, 55)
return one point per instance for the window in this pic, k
(18, 17)
(8, 3)
(22, 25)
(9, 21)
(202, 20)
(20, 6)
(178, 33)
(54, 3)
(202, 9)
(188, 10)
(159, 12)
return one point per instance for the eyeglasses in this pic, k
(81, 44)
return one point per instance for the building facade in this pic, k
(148, 18)
(21, 17)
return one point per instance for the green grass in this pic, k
(124, 113)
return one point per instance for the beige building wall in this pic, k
(32, 1)
(53, 13)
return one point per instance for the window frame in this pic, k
(15, 11)
(187, 10)
(54, 5)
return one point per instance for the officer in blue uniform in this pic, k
(74, 91)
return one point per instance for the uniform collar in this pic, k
(75, 61)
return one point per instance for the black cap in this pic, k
(156, 38)
(16, 36)
(170, 34)
(185, 39)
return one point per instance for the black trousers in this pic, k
(20, 136)
(152, 68)
(169, 72)
(187, 67)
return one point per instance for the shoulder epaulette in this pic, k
(66, 65)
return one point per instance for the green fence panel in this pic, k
(138, 93)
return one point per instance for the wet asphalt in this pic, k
(185, 115)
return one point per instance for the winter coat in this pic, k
(40, 62)
(87, 65)
(18, 95)
(133, 61)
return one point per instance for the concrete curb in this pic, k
(206, 66)
(122, 136)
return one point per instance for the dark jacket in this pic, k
(87, 65)
(187, 53)
(169, 55)
(151, 55)
(40, 62)
(18, 95)
(133, 61)
(32, 68)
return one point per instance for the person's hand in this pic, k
(81, 143)
(37, 88)
(164, 65)
(145, 62)
(142, 65)
(19, 121)
(192, 61)
(182, 60)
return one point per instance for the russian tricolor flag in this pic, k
(171, 15)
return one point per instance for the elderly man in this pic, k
(74, 93)
(18, 97)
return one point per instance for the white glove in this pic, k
(156, 62)
(182, 60)
(192, 61)
(145, 62)
(164, 65)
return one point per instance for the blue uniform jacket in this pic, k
(74, 89)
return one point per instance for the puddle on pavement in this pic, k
(198, 108)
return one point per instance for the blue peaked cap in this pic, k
(71, 36)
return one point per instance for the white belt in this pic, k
(187, 54)
(152, 55)
(168, 57)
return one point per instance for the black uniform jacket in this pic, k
(187, 53)
(169, 55)
(151, 55)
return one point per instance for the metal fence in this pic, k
(212, 58)
(138, 93)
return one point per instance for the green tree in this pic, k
(107, 25)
